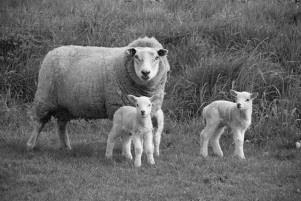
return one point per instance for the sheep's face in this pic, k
(143, 104)
(146, 61)
(244, 99)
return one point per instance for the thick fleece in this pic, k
(93, 82)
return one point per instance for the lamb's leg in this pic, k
(62, 132)
(239, 136)
(149, 147)
(205, 136)
(137, 140)
(37, 128)
(158, 118)
(126, 147)
(111, 142)
(215, 141)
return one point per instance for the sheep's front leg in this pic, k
(149, 147)
(126, 147)
(158, 123)
(62, 132)
(111, 141)
(215, 141)
(138, 145)
(37, 128)
(239, 136)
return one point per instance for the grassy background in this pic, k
(213, 46)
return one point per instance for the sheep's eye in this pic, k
(149, 105)
(247, 100)
(157, 57)
(137, 105)
(136, 57)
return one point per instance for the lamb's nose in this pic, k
(145, 73)
(142, 112)
(238, 105)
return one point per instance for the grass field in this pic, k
(179, 174)
(213, 46)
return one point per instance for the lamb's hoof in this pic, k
(128, 156)
(204, 155)
(242, 157)
(137, 164)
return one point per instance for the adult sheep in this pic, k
(93, 82)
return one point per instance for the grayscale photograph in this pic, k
(150, 100)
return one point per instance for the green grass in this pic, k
(213, 46)
(49, 173)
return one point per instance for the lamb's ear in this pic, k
(233, 92)
(162, 52)
(254, 95)
(131, 51)
(133, 99)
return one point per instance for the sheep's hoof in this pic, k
(29, 146)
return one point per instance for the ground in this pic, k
(180, 173)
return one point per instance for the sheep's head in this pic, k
(143, 104)
(146, 61)
(244, 99)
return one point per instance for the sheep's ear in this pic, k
(162, 52)
(133, 99)
(254, 95)
(233, 92)
(131, 51)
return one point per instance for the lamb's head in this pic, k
(244, 100)
(146, 61)
(143, 105)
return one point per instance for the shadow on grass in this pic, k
(87, 151)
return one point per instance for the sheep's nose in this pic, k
(238, 105)
(145, 73)
(142, 112)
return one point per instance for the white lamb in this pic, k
(220, 114)
(133, 124)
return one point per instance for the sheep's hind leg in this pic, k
(62, 132)
(38, 126)
(111, 142)
(126, 147)
(239, 136)
(215, 141)
(149, 147)
(205, 136)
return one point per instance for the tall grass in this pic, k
(213, 46)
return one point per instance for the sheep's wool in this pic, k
(93, 82)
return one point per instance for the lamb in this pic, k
(93, 82)
(133, 124)
(221, 114)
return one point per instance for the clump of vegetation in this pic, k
(213, 47)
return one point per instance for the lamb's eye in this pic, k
(247, 100)
(137, 105)
(157, 57)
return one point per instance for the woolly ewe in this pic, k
(93, 82)
(220, 114)
(133, 124)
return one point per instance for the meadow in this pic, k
(213, 46)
